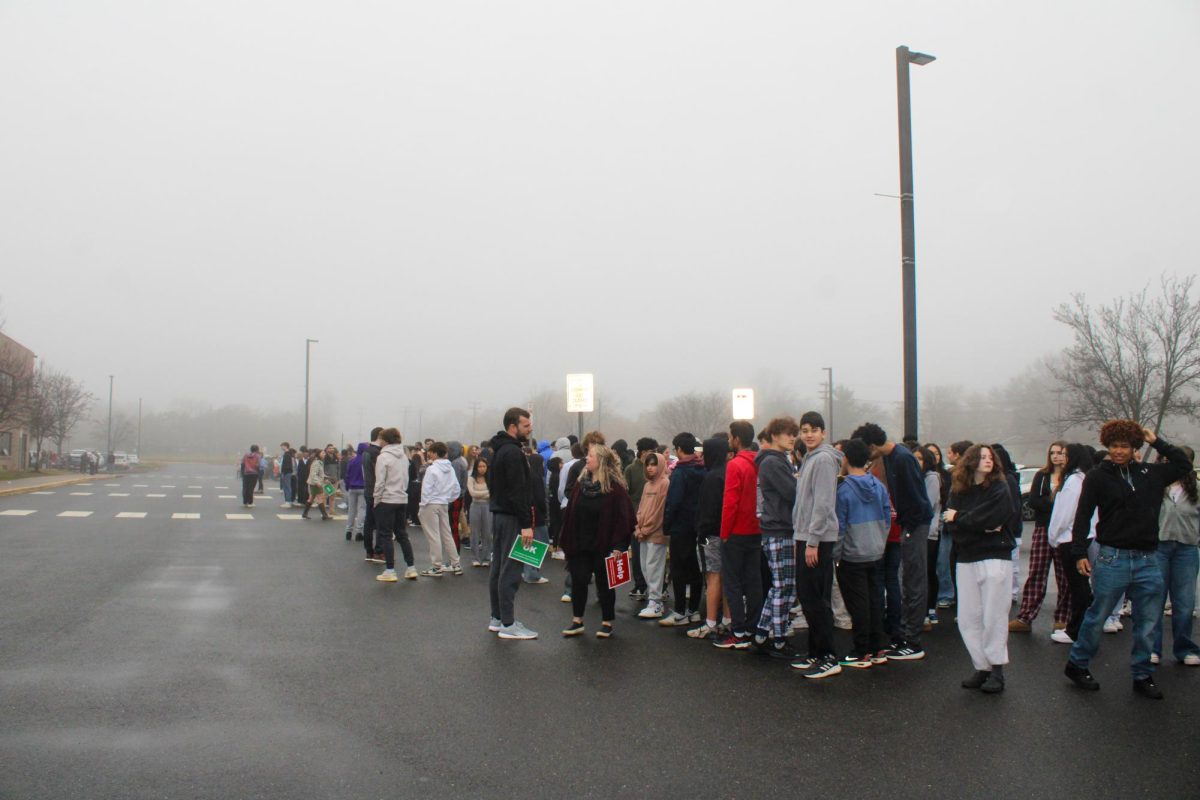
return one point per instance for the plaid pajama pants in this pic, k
(781, 558)
(1041, 556)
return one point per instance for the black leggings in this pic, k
(931, 562)
(389, 522)
(685, 572)
(582, 567)
(1081, 590)
(249, 480)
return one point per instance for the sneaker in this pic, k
(558, 555)
(538, 582)
(606, 631)
(637, 594)
(651, 611)
(1061, 637)
(803, 663)
(994, 683)
(1081, 677)
(1112, 626)
(1192, 660)
(410, 574)
(387, 576)
(703, 632)
(476, 564)
(574, 629)
(977, 679)
(932, 617)
(494, 625)
(855, 661)
(879, 658)
(377, 558)
(903, 651)
(945, 603)
(824, 668)
(1019, 626)
(517, 631)
(456, 569)
(1146, 687)
(732, 641)
(1127, 609)
(1155, 658)
(566, 598)
(432, 572)
(673, 619)
(695, 617)
(779, 650)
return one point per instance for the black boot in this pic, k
(1146, 687)
(976, 680)
(304, 513)
(1081, 676)
(995, 681)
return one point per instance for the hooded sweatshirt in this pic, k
(738, 517)
(354, 469)
(712, 490)
(776, 492)
(369, 456)
(440, 485)
(391, 475)
(683, 495)
(508, 480)
(653, 505)
(864, 515)
(907, 487)
(454, 454)
(978, 530)
(815, 513)
(1178, 520)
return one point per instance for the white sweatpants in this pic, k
(435, 521)
(984, 599)
(654, 567)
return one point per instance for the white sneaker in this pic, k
(387, 576)
(703, 632)
(652, 610)
(696, 617)
(1155, 658)
(1192, 660)
(1061, 637)
(539, 581)
(673, 619)
(410, 574)
(494, 625)
(1111, 627)
(1127, 608)
(558, 555)
(566, 598)
(517, 631)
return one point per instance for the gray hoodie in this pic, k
(776, 493)
(454, 454)
(815, 513)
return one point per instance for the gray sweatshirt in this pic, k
(775, 494)
(815, 514)
(1178, 518)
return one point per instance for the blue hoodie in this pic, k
(354, 470)
(864, 517)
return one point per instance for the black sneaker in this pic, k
(803, 663)
(994, 684)
(637, 593)
(825, 667)
(731, 641)
(1146, 687)
(977, 679)
(855, 661)
(904, 651)
(1081, 677)
(779, 650)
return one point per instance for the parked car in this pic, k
(74, 457)
(120, 461)
(133, 459)
(1026, 485)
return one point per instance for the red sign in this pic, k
(618, 569)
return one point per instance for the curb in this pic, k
(50, 485)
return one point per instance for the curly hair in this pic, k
(1122, 430)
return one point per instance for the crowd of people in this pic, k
(759, 542)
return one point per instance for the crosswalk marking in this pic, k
(17, 512)
(227, 497)
(131, 515)
(289, 516)
(167, 486)
(185, 516)
(156, 495)
(118, 494)
(41, 492)
(75, 514)
(141, 486)
(81, 494)
(191, 496)
(239, 516)
(112, 484)
(194, 487)
(220, 487)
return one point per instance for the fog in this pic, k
(464, 201)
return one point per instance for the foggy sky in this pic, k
(464, 201)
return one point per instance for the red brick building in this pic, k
(16, 375)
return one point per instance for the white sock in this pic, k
(712, 623)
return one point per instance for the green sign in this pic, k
(533, 555)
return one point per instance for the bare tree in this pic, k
(1137, 358)
(699, 413)
(69, 405)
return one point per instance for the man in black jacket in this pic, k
(512, 517)
(374, 550)
(287, 474)
(1127, 494)
(708, 534)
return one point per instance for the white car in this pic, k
(1026, 481)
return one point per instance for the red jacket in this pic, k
(738, 511)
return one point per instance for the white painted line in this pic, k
(141, 486)
(112, 484)
(289, 516)
(156, 495)
(118, 494)
(17, 512)
(239, 516)
(131, 515)
(194, 487)
(191, 496)
(75, 514)
(227, 497)
(81, 494)
(167, 486)
(41, 492)
(185, 516)
(220, 487)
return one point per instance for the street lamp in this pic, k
(908, 260)
(308, 343)
(110, 388)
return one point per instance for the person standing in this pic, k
(389, 496)
(679, 523)
(741, 540)
(1058, 534)
(708, 536)
(979, 509)
(635, 479)
(439, 488)
(248, 470)
(1047, 483)
(512, 518)
(538, 500)
(1179, 560)
(287, 474)
(316, 487)
(1129, 497)
(355, 493)
(652, 540)
(480, 515)
(370, 457)
(775, 501)
(303, 462)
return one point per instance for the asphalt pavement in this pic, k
(185, 654)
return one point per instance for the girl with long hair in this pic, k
(316, 486)
(598, 521)
(933, 488)
(1046, 484)
(945, 572)
(479, 516)
(978, 517)
(1179, 560)
(1058, 536)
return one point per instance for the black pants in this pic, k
(301, 492)
(685, 572)
(931, 561)
(1081, 590)
(863, 594)
(635, 565)
(369, 524)
(741, 580)
(582, 567)
(249, 481)
(260, 484)
(389, 519)
(814, 587)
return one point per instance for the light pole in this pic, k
(110, 390)
(139, 443)
(308, 343)
(829, 399)
(908, 260)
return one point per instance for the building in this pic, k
(16, 375)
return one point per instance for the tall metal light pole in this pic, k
(829, 398)
(139, 442)
(110, 390)
(308, 343)
(908, 261)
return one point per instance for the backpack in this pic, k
(249, 464)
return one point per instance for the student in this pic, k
(537, 500)
(512, 518)
(635, 479)
(1129, 497)
(817, 527)
(287, 474)
(906, 486)
(775, 500)
(316, 486)
(741, 540)
(1179, 560)
(1058, 535)
(1016, 523)
(979, 510)
(369, 458)
(708, 535)
(389, 496)
(554, 472)
(480, 516)
(248, 470)
(303, 462)
(1047, 482)
(439, 488)
(599, 521)
(652, 540)
(679, 522)
(945, 581)
(933, 490)
(355, 493)
(864, 516)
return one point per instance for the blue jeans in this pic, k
(1179, 564)
(531, 574)
(945, 577)
(287, 482)
(1134, 573)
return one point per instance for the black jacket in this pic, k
(906, 483)
(980, 530)
(1129, 499)
(1040, 498)
(287, 464)
(302, 471)
(368, 465)
(683, 496)
(712, 490)
(537, 489)
(508, 480)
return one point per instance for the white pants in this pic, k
(984, 598)
(435, 521)
(654, 567)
